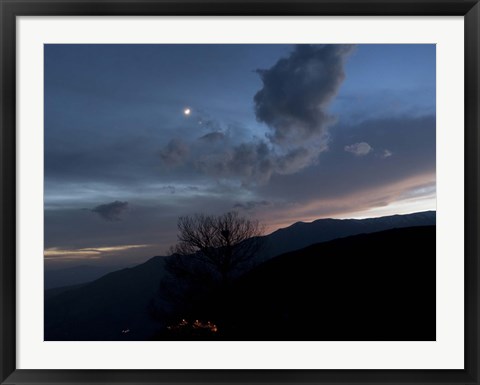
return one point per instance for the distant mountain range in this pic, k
(302, 234)
(115, 306)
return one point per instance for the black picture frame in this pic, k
(10, 9)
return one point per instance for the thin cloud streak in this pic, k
(87, 253)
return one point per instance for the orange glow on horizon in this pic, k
(389, 200)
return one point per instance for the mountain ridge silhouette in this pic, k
(102, 309)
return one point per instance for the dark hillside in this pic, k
(378, 286)
(101, 310)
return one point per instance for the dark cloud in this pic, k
(213, 137)
(293, 103)
(175, 152)
(298, 89)
(111, 211)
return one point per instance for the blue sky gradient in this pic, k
(281, 133)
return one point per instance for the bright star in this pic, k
(187, 111)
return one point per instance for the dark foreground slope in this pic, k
(106, 308)
(378, 286)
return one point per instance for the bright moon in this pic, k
(186, 111)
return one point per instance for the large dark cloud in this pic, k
(293, 103)
(111, 211)
(297, 91)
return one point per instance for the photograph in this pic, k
(240, 192)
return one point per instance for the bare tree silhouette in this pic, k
(211, 252)
(227, 244)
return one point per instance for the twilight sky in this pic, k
(137, 135)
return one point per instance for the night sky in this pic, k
(138, 135)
